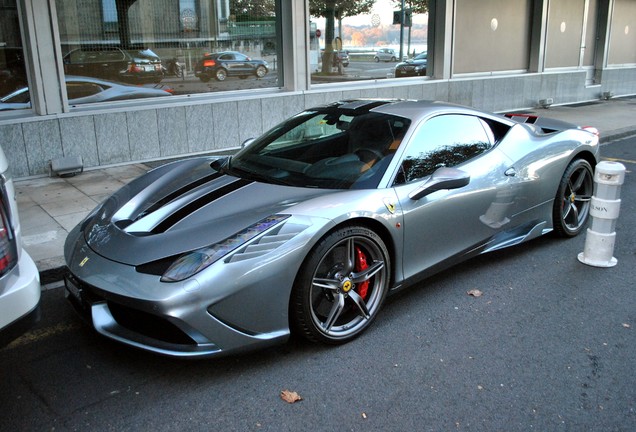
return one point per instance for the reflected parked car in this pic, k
(83, 90)
(412, 67)
(385, 55)
(19, 277)
(228, 63)
(343, 57)
(133, 66)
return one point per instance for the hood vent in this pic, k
(190, 208)
(268, 242)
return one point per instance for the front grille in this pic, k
(149, 325)
(82, 296)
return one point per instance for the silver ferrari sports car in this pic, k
(309, 227)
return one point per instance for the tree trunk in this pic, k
(327, 57)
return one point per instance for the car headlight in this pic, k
(193, 262)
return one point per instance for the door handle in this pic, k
(511, 172)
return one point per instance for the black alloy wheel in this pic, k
(572, 202)
(341, 286)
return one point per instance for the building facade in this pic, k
(493, 54)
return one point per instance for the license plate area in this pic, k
(78, 297)
(72, 288)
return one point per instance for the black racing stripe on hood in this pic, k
(179, 192)
(174, 218)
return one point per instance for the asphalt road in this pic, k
(550, 346)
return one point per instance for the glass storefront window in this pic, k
(14, 93)
(170, 46)
(367, 40)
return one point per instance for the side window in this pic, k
(444, 141)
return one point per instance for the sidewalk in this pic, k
(50, 207)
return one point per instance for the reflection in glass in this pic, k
(12, 70)
(165, 43)
(361, 40)
(417, 167)
(444, 141)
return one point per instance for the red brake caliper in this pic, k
(361, 264)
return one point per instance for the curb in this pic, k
(617, 134)
(52, 275)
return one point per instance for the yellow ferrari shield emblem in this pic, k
(390, 206)
(346, 286)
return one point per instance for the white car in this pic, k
(83, 90)
(19, 277)
(385, 55)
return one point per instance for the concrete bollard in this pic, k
(604, 209)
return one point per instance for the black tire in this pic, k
(331, 300)
(220, 74)
(572, 202)
(377, 59)
(204, 78)
(260, 72)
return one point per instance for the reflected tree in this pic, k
(417, 6)
(417, 167)
(333, 10)
(252, 8)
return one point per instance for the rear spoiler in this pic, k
(548, 125)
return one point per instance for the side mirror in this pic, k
(442, 178)
(217, 164)
(247, 142)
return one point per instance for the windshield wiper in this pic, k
(252, 175)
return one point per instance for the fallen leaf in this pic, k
(475, 293)
(290, 396)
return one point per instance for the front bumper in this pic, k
(229, 307)
(131, 326)
(181, 324)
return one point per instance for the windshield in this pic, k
(330, 148)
